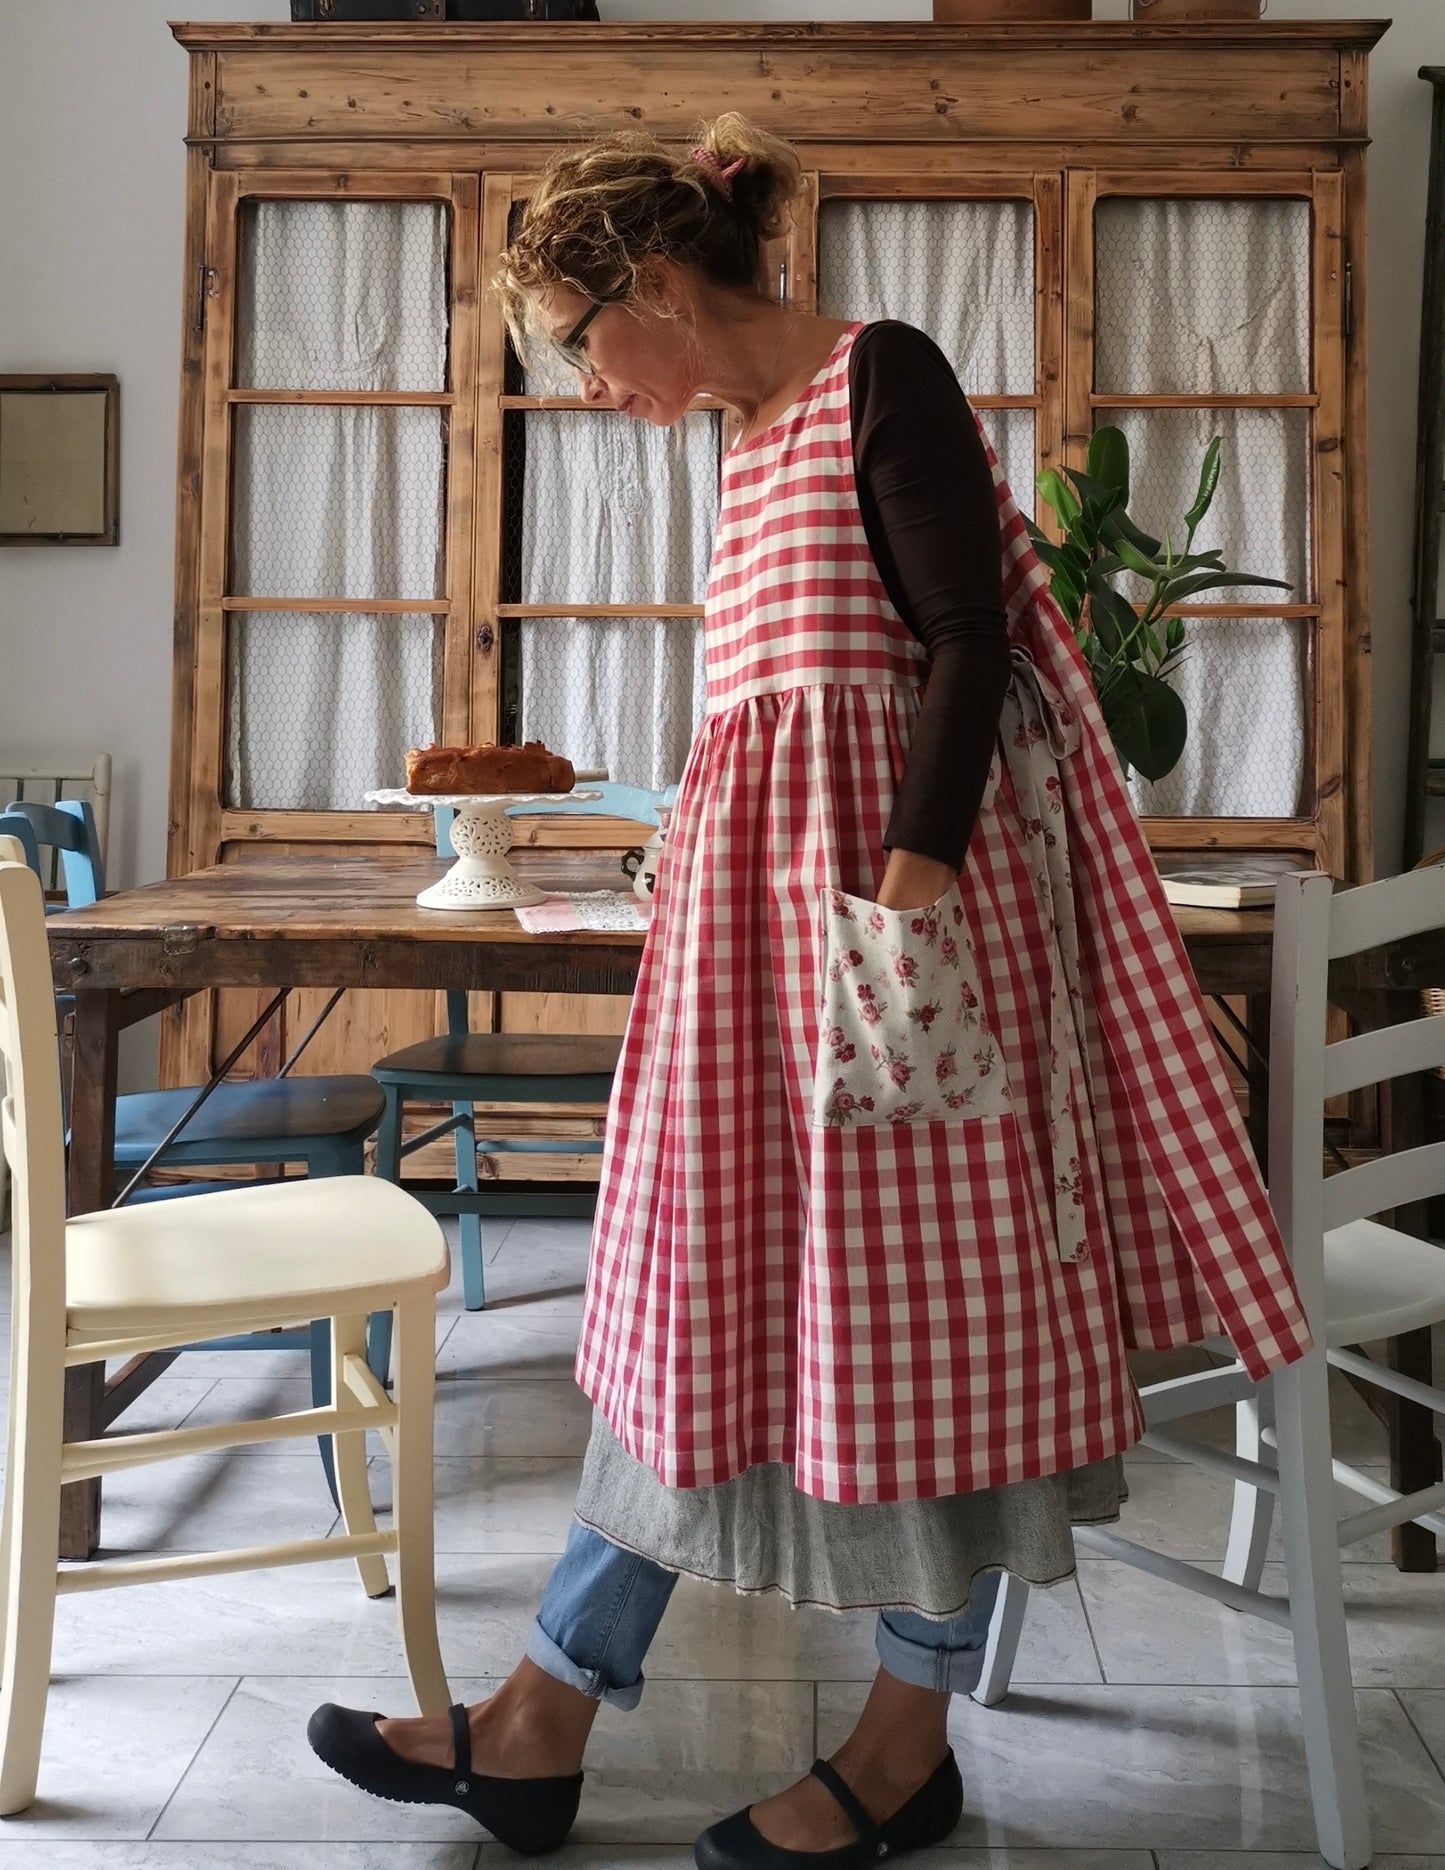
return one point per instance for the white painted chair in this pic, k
(1360, 1281)
(1378, 1282)
(58, 778)
(125, 1281)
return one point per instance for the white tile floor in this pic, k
(1148, 1730)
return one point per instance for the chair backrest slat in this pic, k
(34, 1133)
(1392, 1181)
(1377, 913)
(1390, 1052)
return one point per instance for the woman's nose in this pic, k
(594, 390)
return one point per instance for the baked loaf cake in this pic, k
(530, 768)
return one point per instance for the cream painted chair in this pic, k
(124, 1281)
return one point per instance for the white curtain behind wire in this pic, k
(1193, 297)
(1200, 297)
(615, 512)
(336, 502)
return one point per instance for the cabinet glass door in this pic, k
(1204, 325)
(964, 271)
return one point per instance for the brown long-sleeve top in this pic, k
(931, 518)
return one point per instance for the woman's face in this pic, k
(636, 358)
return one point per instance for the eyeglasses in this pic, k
(570, 348)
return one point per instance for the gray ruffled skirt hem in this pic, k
(758, 1533)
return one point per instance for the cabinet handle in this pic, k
(783, 281)
(486, 637)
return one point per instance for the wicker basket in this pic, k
(1432, 999)
(1197, 9)
(981, 12)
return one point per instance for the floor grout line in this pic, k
(185, 1773)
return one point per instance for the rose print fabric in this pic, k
(903, 1038)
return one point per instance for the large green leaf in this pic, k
(1055, 493)
(1119, 526)
(1135, 560)
(1179, 589)
(1146, 721)
(1111, 615)
(1108, 460)
(1208, 481)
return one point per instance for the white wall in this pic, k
(92, 113)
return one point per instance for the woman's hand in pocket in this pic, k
(912, 881)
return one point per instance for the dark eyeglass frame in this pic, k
(569, 348)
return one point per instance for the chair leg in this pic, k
(469, 1229)
(388, 1135)
(1317, 1613)
(1253, 1514)
(348, 1339)
(411, 1482)
(29, 1550)
(352, 1161)
(1004, 1630)
(321, 1397)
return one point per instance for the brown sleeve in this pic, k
(929, 511)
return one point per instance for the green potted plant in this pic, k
(1129, 652)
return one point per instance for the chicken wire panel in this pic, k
(338, 502)
(611, 511)
(623, 693)
(1011, 431)
(342, 295)
(322, 706)
(1260, 516)
(1245, 685)
(1202, 297)
(963, 271)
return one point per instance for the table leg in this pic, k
(92, 1175)
(1256, 1020)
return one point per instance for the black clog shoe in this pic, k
(927, 1818)
(529, 1815)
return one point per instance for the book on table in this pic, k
(1244, 882)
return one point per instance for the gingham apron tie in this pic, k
(1038, 729)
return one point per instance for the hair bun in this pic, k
(764, 174)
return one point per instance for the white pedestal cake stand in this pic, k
(481, 834)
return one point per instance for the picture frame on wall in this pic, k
(59, 460)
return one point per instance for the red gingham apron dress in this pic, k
(886, 1195)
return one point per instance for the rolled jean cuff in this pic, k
(913, 1652)
(591, 1682)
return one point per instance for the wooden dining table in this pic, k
(341, 921)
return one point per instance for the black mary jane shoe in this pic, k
(529, 1815)
(927, 1818)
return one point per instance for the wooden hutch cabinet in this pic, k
(389, 533)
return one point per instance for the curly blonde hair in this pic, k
(600, 214)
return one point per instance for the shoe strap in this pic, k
(461, 1742)
(868, 1832)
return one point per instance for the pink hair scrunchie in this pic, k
(721, 177)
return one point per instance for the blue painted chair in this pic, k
(464, 1068)
(321, 1123)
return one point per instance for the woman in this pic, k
(918, 1124)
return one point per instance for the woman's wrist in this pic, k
(913, 881)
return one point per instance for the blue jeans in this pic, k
(602, 1607)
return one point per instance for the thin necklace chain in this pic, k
(788, 330)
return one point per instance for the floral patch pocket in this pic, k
(902, 1037)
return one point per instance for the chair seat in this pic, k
(1379, 1283)
(289, 1248)
(268, 1113)
(523, 1067)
